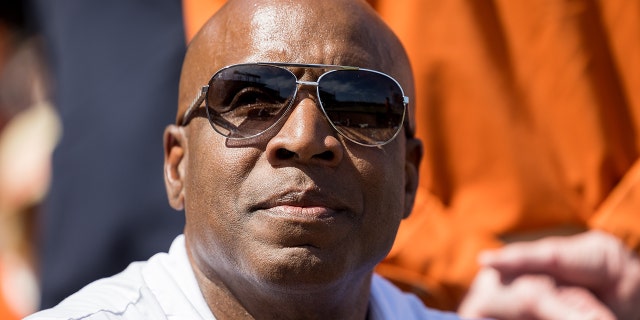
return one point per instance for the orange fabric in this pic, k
(530, 113)
(6, 312)
(196, 13)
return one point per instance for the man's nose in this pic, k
(305, 137)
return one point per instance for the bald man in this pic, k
(294, 160)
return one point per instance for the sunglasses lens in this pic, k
(245, 100)
(365, 106)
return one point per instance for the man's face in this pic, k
(299, 206)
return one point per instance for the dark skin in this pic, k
(290, 224)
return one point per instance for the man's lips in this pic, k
(302, 218)
(302, 205)
(301, 212)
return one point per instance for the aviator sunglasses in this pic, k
(243, 101)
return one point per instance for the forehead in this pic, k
(267, 26)
(291, 33)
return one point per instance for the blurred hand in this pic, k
(587, 276)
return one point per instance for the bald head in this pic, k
(343, 32)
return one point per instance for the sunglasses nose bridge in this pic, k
(307, 83)
(302, 83)
(318, 103)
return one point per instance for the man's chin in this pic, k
(302, 268)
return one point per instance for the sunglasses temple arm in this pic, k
(407, 126)
(195, 104)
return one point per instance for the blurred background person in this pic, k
(28, 132)
(115, 67)
(530, 115)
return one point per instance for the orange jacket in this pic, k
(530, 114)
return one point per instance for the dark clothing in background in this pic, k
(116, 67)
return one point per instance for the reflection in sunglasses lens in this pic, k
(247, 100)
(363, 105)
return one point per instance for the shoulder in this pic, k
(165, 284)
(122, 296)
(388, 302)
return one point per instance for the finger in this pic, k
(529, 297)
(571, 303)
(591, 259)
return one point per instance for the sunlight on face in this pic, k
(271, 23)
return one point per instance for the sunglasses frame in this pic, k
(202, 95)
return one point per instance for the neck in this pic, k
(245, 300)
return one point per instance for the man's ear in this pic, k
(411, 172)
(174, 163)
